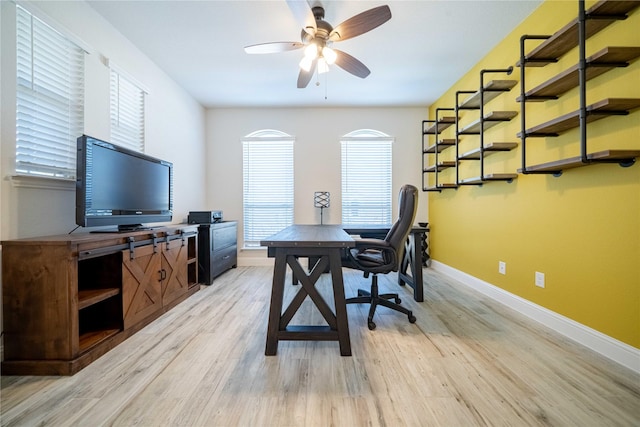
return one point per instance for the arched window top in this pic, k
(370, 134)
(268, 135)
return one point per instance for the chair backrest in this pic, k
(407, 208)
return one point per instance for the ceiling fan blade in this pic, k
(305, 76)
(351, 64)
(274, 47)
(361, 23)
(304, 15)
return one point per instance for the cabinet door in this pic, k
(174, 266)
(141, 284)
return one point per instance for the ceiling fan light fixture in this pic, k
(329, 55)
(323, 67)
(306, 63)
(317, 34)
(311, 51)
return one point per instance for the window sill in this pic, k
(26, 181)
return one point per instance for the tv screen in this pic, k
(119, 186)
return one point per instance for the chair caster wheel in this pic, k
(371, 325)
(412, 318)
(398, 301)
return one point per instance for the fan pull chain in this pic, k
(326, 83)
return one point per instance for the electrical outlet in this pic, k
(539, 279)
(502, 267)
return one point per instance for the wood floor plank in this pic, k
(466, 361)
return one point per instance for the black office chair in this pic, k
(375, 256)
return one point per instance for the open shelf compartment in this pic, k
(599, 16)
(489, 120)
(599, 110)
(494, 147)
(478, 180)
(624, 157)
(441, 125)
(440, 166)
(442, 145)
(491, 89)
(599, 63)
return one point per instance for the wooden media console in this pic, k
(69, 299)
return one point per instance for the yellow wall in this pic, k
(581, 229)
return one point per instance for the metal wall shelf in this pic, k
(487, 92)
(432, 129)
(588, 23)
(600, 16)
(597, 64)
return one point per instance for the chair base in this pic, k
(375, 299)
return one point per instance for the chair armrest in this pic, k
(377, 244)
(373, 255)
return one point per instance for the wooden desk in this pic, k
(412, 254)
(326, 243)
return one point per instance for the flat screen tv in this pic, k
(116, 186)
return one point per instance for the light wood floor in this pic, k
(467, 361)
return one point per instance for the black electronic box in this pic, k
(204, 217)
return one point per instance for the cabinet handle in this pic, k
(163, 275)
(226, 257)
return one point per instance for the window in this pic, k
(127, 112)
(49, 99)
(267, 184)
(366, 177)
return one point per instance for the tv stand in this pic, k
(132, 227)
(69, 299)
(127, 228)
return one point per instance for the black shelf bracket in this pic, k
(523, 99)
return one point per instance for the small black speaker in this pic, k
(204, 217)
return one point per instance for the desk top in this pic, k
(310, 236)
(364, 228)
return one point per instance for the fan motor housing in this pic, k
(323, 27)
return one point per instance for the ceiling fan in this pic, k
(318, 35)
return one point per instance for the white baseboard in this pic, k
(611, 348)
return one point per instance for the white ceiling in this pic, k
(417, 55)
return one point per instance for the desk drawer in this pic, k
(223, 237)
(223, 260)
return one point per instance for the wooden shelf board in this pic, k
(93, 338)
(597, 64)
(489, 120)
(441, 166)
(500, 176)
(576, 162)
(441, 146)
(566, 38)
(92, 296)
(442, 124)
(441, 187)
(491, 90)
(597, 111)
(477, 180)
(494, 147)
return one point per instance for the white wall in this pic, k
(316, 156)
(175, 122)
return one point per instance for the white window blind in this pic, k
(49, 99)
(127, 112)
(267, 185)
(366, 178)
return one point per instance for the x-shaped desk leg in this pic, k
(278, 328)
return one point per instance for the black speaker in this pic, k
(204, 217)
